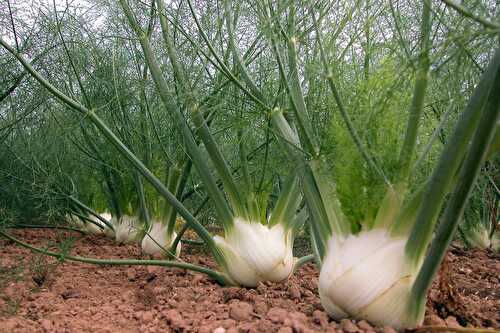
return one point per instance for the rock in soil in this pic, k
(240, 311)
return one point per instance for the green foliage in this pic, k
(48, 152)
(378, 109)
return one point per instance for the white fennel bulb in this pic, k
(106, 216)
(478, 236)
(157, 241)
(94, 228)
(74, 221)
(107, 230)
(126, 229)
(367, 276)
(255, 253)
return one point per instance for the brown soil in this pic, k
(39, 294)
(468, 288)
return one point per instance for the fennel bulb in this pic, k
(157, 240)
(368, 276)
(106, 216)
(74, 221)
(255, 253)
(478, 236)
(495, 241)
(126, 229)
(93, 228)
(107, 230)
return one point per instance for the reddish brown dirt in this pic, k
(468, 288)
(38, 294)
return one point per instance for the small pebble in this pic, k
(277, 315)
(46, 325)
(294, 292)
(434, 320)
(348, 326)
(174, 318)
(388, 329)
(452, 322)
(147, 316)
(240, 311)
(364, 325)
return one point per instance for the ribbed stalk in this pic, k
(407, 214)
(302, 261)
(186, 226)
(445, 171)
(224, 213)
(252, 209)
(315, 247)
(286, 207)
(173, 184)
(144, 211)
(295, 90)
(172, 53)
(319, 218)
(243, 158)
(329, 199)
(455, 207)
(219, 162)
(320, 224)
(390, 206)
(417, 105)
(85, 218)
(201, 124)
(90, 211)
(287, 134)
(433, 138)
